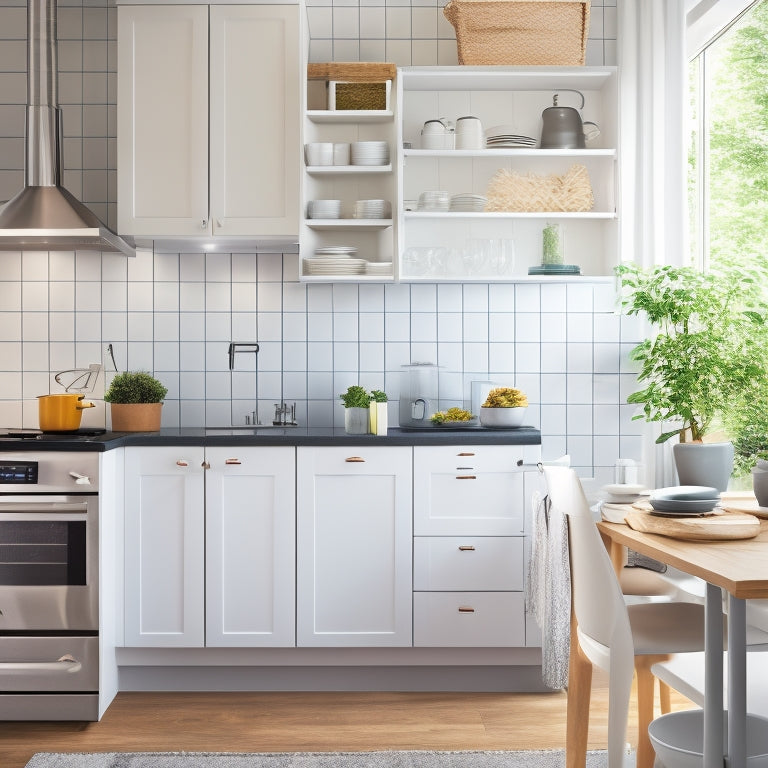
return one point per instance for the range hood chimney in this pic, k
(44, 216)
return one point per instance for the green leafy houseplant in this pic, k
(378, 396)
(355, 397)
(135, 387)
(709, 346)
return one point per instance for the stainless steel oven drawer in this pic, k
(47, 664)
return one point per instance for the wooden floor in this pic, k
(287, 722)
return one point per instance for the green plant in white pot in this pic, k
(135, 399)
(708, 346)
(378, 412)
(356, 414)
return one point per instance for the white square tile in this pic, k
(397, 298)
(320, 298)
(424, 23)
(606, 327)
(345, 326)
(579, 420)
(294, 326)
(320, 356)
(192, 297)
(35, 326)
(371, 326)
(139, 297)
(423, 327)
(579, 388)
(423, 298)
(295, 297)
(192, 356)
(449, 326)
(424, 52)
(606, 419)
(320, 385)
(346, 50)
(34, 265)
(398, 23)
(395, 355)
(450, 355)
(270, 267)
(605, 297)
(62, 265)
(294, 356)
(475, 327)
(244, 326)
(192, 267)
(166, 297)
(373, 50)
(626, 364)
(192, 413)
(628, 424)
(527, 326)
(192, 326)
(553, 388)
(501, 358)
(167, 358)
(631, 447)
(345, 298)
(397, 326)
(295, 388)
(62, 328)
(218, 386)
(501, 298)
(88, 297)
(633, 329)
(243, 297)
(579, 358)
(606, 358)
(345, 357)
(606, 388)
(450, 298)
(244, 268)
(554, 326)
(553, 447)
(36, 355)
(140, 327)
(554, 358)
(269, 297)
(580, 326)
(579, 298)
(61, 296)
(319, 326)
(476, 298)
(371, 298)
(320, 21)
(10, 354)
(424, 351)
(580, 450)
(10, 296)
(553, 419)
(269, 327)
(346, 23)
(167, 267)
(530, 383)
(114, 326)
(528, 298)
(140, 268)
(166, 328)
(218, 268)
(218, 297)
(372, 356)
(527, 358)
(476, 357)
(140, 355)
(10, 384)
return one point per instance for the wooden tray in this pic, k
(352, 71)
(743, 501)
(719, 526)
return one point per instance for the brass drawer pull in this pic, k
(182, 463)
(466, 548)
(233, 461)
(466, 477)
(466, 609)
(355, 459)
(465, 453)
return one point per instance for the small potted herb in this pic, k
(378, 415)
(356, 410)
(135, 400)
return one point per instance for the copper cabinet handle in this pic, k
(465, 453)
(205, 465)
(466, 477)
(466, 548)
(182, 463)
(355, 459)
(232, 461)
(466, 609)
(465, 469)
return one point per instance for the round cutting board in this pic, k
(721, 526)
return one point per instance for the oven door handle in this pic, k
(66, 665)
(44, 511)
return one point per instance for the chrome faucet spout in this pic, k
(241, 346)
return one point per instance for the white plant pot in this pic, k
(378, 418)
(502, 417)
(356, 421)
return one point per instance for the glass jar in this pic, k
(552, 251)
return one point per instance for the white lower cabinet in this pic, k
(354, 540)
(209, 543)
(469, 553)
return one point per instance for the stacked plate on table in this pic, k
(334, 260)
(436, 200)
(372, 209)
(468, 203)
(369, 153)
(619, 498)
(504, 137)
(681, 500)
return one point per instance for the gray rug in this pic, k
(393, 759)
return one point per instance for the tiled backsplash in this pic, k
(176, 314)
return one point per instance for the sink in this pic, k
(249, 427)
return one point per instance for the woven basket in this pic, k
(528, 32)
(529, 192)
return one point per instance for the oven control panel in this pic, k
(18, 472)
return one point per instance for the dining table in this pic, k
(738, 568)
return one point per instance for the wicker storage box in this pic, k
(527, 32)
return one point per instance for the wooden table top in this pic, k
(740, 567)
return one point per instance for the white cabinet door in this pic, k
(250, 546)
(162, 97)
(164, 546)
(255, 112)
(354, 546)
(468, 490)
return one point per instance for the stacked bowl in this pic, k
(435, 200)
(369, 153)
(372, 209)
(324, 209)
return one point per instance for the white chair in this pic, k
(611, 635)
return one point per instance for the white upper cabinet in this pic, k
(208, 121)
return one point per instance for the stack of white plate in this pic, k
(324, 209)
(369, 153)
(334, 260)
(684, 500)
(372, 209)
(504, 137)
(336, 251)
(468, 202)
(383, 268)
(434, 201)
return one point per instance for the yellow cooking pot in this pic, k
(62, 412)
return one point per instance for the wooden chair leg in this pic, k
(579, 695)
(645, 684)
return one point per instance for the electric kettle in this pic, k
(563, 128)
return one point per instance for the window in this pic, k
(728, 157)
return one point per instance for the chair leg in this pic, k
(664, 698)
(577, 713)
(645, 682)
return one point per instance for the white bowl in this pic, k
(678, 739)
(502, 417)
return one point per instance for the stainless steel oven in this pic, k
(49, 517)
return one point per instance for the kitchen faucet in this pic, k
(250, 347)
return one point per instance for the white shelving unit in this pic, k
(439, 246)
(375, 239)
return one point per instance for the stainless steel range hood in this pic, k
(45, 216)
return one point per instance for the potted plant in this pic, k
(503, 407)
(356, 414)
(378, 412)
(135, 401)
(708, 348)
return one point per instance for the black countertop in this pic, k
(329, 436)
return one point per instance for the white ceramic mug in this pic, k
(341, 153)
(319, 153)
(469, 133)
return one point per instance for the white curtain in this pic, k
(653, 96)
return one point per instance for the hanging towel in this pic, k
(548, 589)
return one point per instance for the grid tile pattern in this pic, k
(176, 314)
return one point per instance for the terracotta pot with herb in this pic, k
(135, 401)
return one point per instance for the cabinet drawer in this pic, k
(475, 490)
(468, 563)
(468, 619)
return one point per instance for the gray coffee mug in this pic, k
(760, 486)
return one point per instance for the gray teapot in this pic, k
(563, 128)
